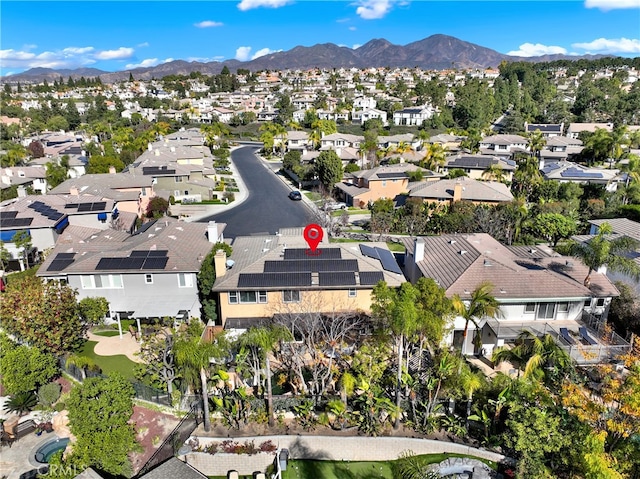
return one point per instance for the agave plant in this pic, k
(21, 403)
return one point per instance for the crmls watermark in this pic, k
(60, 470)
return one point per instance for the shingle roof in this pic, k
(622, 226)
(173, 468)
(472, 190)
(479, 162)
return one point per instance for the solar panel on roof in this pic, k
(139, 253)
(273, 280)
(155, 263)
(65, 256)
(84, 207)
(301, 253)
(7, 215)
(388, 261)
(333, 278)
(159, 253)
(131, 263)
(16, 222)
(369, 251)
(109, 263)
(55, 216)
(310, 265)
(393, 175)
(59, 264)
(71, 205)
(98, 206)
(370, 277)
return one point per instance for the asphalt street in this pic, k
(267, 208)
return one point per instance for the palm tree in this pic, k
(494, 172)
(605, 250)
(531, 353)
(481, 304)
(262, 342)
(435, 157)
(536, 143)
(193, 355)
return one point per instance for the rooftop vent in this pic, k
(462, 252)
(452, 241)
(488, 263)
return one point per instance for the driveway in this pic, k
(267, 208)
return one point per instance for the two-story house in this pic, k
(271, 275)
(365, 186)
(537, 290)
(413, 116)
(569, 172)
(560, 148)
(503, 146)
(150, 274)
(447, 192)
(548, 130)
(476, 166)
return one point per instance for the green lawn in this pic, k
(109, 364)
(337, 470)
(108, 333)
(395, 247)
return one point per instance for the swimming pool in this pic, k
(49, 448)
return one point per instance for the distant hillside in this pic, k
(436, 52)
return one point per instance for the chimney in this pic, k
(418, 250)
(212, 232)
(149, 147)
(457, 191)
(22, 192)
(74, 191)
(112, 170)
(157, 152)
(220, 263)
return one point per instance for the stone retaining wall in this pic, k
(328, 448)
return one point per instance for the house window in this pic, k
(148, 278)
(530, 308)
(353, 292)
(102, 281)
(178, 179)
(587, 303)
(600, 303)
(185, 280)
(291, 296)
(546, 310)
(176, 192)
(144, 192)
(247, 297)
(384, 183)
(563, 307)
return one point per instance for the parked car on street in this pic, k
(295, 195)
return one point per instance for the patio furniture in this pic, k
(584, 334)
(134, 332)
(564, 333)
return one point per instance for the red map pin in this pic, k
(313, 234)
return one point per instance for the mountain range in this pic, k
(437, 52)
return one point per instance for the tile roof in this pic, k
(472, 190)
(186, 245)
(481, 162)
(514, 277)
(622, 226)
(252, 254)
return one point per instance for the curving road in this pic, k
(267, 208)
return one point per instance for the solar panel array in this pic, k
(469, 161)
(337, 278)
(577, 173)
(371, 277)
(384, 255)
(311, 265)
(88, 207)
(302, 253)
(6, 215)
(138, 259)
(393, 175)
(272, 280)
(46, 210)
(157, 170)
(16, 222)
(61, 261)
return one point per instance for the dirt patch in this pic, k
(152, 428)
(65, 384)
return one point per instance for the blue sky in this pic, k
(120, 35)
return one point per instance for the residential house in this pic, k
(366, 186)
(271, 275)
(414, 116)
(576, 128)
(504, 146)
(548, 130)
(32, 177)
(569, 172)
(476, 166)
(359, 117)
(298, 140)
(45, 217)
(150, 274)
(447, 192)
(537, 290)
(560, 148)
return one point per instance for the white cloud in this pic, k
(537, 49)
(611, 4)
(242, 53)
(373, 9)
(251, 4)
(119, 54)
(70, 57)
(353, 29)
(208, 24)
(143, 44)
(149, 62)
(204, 59)
(77, 51)
(356, 46)
(262, 52)
(610, 45)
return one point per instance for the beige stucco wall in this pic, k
(310, 301)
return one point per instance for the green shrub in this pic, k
(49, 394)
(21, 403)
(60, 406)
